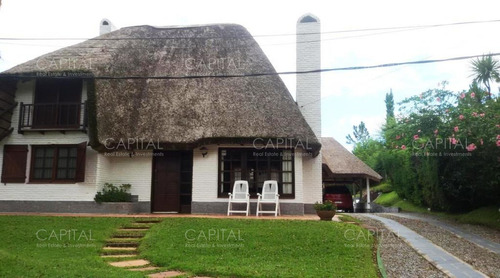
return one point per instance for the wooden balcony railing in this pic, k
(53, 117)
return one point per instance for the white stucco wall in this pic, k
(49, 192)
(136, 170)
(99, 168)
(312, 167)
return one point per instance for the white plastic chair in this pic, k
(240, 195)
(269, 196)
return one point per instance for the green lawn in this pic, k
(486, 216)
(347, 218)
(37, 246)
(384, 187)
(260, 248)
(388, 199)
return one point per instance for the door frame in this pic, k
(181, 208)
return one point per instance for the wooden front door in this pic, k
(172, 181)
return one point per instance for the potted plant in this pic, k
(325, 210)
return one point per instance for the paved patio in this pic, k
(174, 215)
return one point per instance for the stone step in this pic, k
(118, 255)
(128, 236)
(148, 268)
(122, 244)
(131, 263)
(165, 274)
(133, 229)
(124, 239)
(119, 248)
(112, 252)
(138, 226)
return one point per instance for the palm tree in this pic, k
(485, 69)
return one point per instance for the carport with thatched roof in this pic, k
(340, 166)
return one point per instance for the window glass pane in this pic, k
(71, 173)
(39, 152)
(237, 174)
(38, 162)
(287, 188)
(72, 163)
(38, 174)
(47, 174)
(72, 152)
(63, 152)
(62, 163)
(287, 166)
(61, 173)
(49, 152)
(287, 177)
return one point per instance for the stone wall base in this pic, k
(75, 207)
(221, 208)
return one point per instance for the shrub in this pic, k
(111, 193)
(327, 205)
(443, 149)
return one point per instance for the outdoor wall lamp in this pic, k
(204, 151)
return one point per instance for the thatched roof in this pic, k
(180, 111)
(338, 162)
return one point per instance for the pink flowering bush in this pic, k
(452, 160)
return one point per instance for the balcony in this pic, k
(61, 117)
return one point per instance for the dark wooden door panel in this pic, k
(167, 182)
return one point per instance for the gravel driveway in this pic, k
(480, 258)
(400, 260)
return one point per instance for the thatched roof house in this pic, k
(340, 165)
(181, 113)
(164, 84)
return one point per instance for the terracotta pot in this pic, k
(326, 215)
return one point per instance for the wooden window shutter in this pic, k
(80, 162)
(14, 163)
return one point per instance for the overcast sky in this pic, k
(347, 97)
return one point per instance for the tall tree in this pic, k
(360, 134)
(484, 70)
(389, 106)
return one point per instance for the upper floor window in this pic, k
(57, 103)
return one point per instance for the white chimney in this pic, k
(309, 102)
(106, 26)
(309, 58)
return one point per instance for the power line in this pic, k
(166, 77)
(239, 47)
(263, 35)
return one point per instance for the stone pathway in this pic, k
(449, 264)
(121, 250)
(480, 241)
